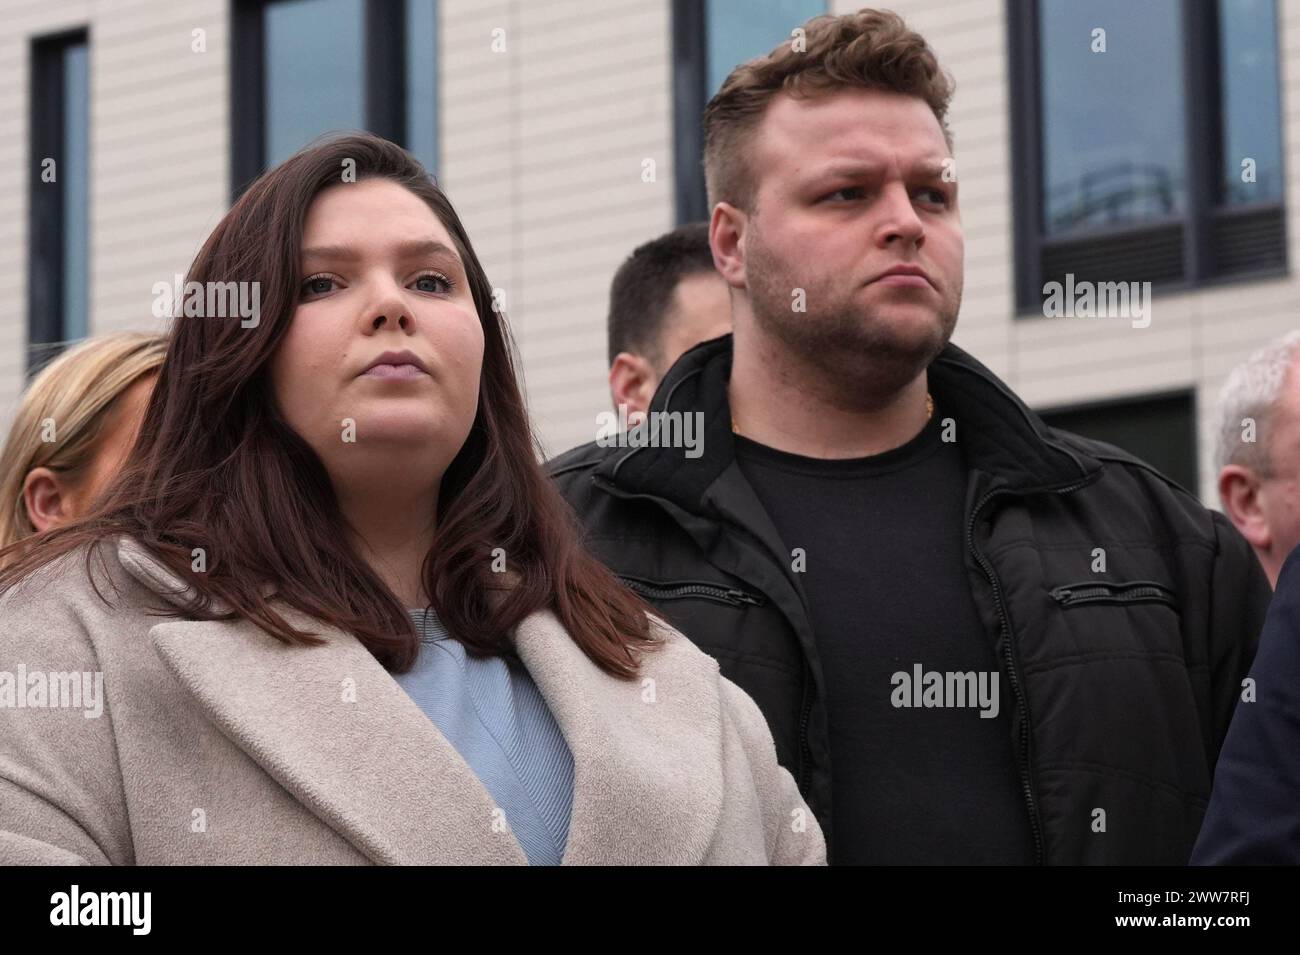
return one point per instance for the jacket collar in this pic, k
(998, 433)
(336, 731)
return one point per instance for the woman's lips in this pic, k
(394, 371)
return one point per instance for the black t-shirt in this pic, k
(888, 596)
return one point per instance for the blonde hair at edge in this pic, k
(76, 391)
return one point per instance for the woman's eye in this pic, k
(317, 285)
(431, 283)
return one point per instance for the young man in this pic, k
(976, 639)
(665, 299)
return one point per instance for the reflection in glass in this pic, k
(1113, 121)
(739, 30)
(314, 68)
(1251, 110)
(74, 174)
(422, 82)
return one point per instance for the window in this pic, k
(710, 37)
(314, 65)
(1161, 430)
(58, 266)
(301, 68)
(1146, 142)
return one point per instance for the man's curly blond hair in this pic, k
(870, 49)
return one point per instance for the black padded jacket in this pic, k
(1123, 680)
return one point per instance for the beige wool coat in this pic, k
(215, 743)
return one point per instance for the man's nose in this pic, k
(897, 220)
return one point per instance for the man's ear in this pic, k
(1239, 490)
(46, 498)
(727, 240)
(632, 382)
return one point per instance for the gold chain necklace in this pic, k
(929, 413)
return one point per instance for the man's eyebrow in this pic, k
(932, 168)
(845, 170)
(410, 249)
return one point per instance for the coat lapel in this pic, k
(647, 754)
(333, 727)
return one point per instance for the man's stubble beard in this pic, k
(858, 361)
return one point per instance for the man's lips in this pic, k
(903, 280)
(904, 276)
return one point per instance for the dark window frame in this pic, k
(384, 68)
(1201, 81)
(1129, 402)
(690, 66)
(690, 96)
(47, 298)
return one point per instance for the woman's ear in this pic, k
(46, 496)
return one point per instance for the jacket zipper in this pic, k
(689, 588)
(805, 748)
(1103, 591)
(1013, 678)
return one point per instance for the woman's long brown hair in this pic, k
(217, 467)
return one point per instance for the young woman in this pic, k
(73, 428)
(333, 611)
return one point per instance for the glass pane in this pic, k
(314, 69)
(1113, 121)
(74, 175)
(1251, 110)
(739, 30)
(1160, 431)
(422, 81)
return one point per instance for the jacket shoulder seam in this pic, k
(1138, 463)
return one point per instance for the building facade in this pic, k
(1165, 148)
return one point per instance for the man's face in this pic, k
(700, 310)
(850, 185)
(1279, 497)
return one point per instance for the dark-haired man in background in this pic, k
(665, 298)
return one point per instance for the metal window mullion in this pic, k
(690, 91)
(247, 94)
(385, 68)
(1026, 149)
(1203, 136)
(46, 293)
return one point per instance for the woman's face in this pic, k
(379, 371)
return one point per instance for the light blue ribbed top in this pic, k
(493, 714)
